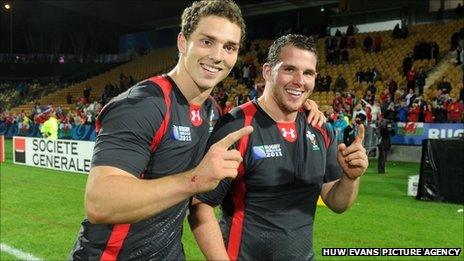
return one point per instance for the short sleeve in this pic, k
(128, 125)
(333, 171)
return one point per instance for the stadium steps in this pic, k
(440, 70)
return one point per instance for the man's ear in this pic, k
(181, 43)
(267, 71)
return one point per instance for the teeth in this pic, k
(209, 68)
(294, 92)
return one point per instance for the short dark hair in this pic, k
(222, 8)
(297, 40)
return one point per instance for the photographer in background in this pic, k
(386, 131)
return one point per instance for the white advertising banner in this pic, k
(65, 155)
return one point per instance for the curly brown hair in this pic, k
(223, 8)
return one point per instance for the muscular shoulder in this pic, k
(144, 99)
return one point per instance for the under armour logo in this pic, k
(195, 117)
(288, 134)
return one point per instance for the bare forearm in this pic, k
(342, 194)
(207, 233)
(115, 199)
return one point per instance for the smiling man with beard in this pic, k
(268, 209)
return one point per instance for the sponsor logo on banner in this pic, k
(65, 155)
(266, 151)
(20, 150)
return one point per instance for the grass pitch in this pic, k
(41, 211)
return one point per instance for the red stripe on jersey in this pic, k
(166, 87)
(324, 134)
(239, 190)
(114, 244)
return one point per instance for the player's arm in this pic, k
(205, 228)
(340, 194)
(115, 196)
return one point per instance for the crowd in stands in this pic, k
(13, 93)
(395, 102)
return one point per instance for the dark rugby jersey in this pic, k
(268, 210)
(128, 126)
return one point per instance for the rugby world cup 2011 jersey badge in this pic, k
(312, 138)
(181, 133)
(266, 151)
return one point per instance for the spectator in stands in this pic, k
(339, 125)
(326, 81)
(49, 128)
(377, 43)
(360, 75)
(455, 110)
(440, 12)
(351, 30)
(411, 78)
(390, 112)
(459, 54)
(340, 84)
(336, 56)
(86, 94)
(24, 122)
(359, 112)
(337, 103)
(385, 96)
(375, 111)
(428, 113)
(343, 42)
(454, 41)
(402, 111)
(407, 64)
(367, 44)
(351, 42)
(246, 72)
(396, 34)
(459, 11)
(414, 111)
(445, 85)
(330, 56)
(69, 98)
(345, 56)
(410, 97)
(420, 79)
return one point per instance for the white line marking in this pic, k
(17, 253)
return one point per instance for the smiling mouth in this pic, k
(293, 92)
(209, 68)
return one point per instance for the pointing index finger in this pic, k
(233, 137)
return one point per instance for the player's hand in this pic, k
(353, 159)
(315, 115)
(219, 162)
